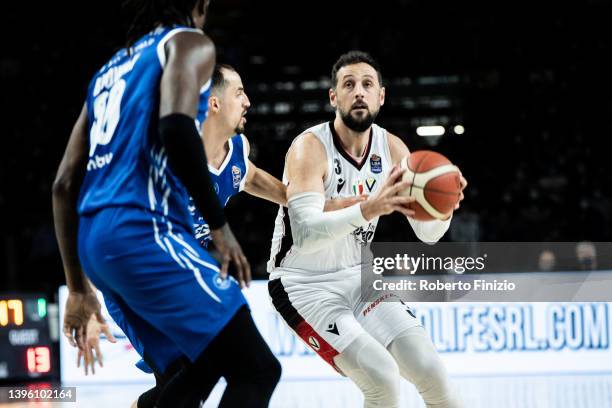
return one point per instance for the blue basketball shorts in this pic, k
(165, 285)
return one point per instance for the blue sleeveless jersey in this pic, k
(228, 180)
(127, 162)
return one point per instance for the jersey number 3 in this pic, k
(107, 107)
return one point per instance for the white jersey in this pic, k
(345, 178)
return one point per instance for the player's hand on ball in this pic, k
(386, 200)
(94, 328)
(464, 184)
(343, 202)
(230, 251)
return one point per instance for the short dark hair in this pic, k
(354, 57)
(217, 80)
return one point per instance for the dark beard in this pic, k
(358, 125)
(239, 130)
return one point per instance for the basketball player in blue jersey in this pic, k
(231, 172)
(120, 203)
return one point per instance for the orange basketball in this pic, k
(436, 184)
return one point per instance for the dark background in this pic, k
(530, 84)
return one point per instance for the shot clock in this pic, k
(25, 345)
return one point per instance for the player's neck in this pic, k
(215, 143)
(354, 143)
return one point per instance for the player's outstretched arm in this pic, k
(262, 184)
(82, 302)
(190, 60)
(426, 231)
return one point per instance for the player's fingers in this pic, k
(109, 335)
(99, 355)
(68, 332)
(400, 200)
(395, 175)
(80, 338)
(86, 361)
(100, 318)
(392, 177)
(89, 360)
(401, 186)
(224, 265)
(238, 270)
(403, 210)
(93, 363)
(247, 269)
(79, 356)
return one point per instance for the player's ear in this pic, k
(382, 96)
(214, 104)
(332, 98)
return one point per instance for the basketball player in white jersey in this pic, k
(316, 285)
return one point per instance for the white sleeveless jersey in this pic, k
(345, 178)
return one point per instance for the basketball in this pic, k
(436, 184)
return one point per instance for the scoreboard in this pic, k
(25, 344)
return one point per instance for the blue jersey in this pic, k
(127, 164)
(228, 180)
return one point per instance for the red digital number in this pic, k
(39, 360)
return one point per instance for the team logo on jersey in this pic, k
(314, 343)
(358, 187)
(337, 168)
(375, 164)
(340, 185)
(236, 176)
(370, 183)
(217, 188)
(221, 283)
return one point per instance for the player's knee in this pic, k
(433, 383)
(374, 371)
(385, 376)
(264, 375)
(428, 371)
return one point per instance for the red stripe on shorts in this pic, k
(317, 343)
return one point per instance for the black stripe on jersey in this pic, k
(281, 302)
(343, 152)
(286, 240)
